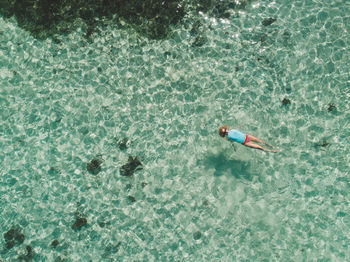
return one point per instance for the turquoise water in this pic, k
(195, 197)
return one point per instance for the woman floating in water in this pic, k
(244, 139)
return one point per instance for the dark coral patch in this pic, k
(10, 244)
(79, 223)
(14, 237)
(128, 187)
(55, 243)
(322, 143)
(29, 250)
(123, 143)
(197, 235)
(131, 166)
(286, 101)
(28, 256)
(102, 224)
(132, 199)
(268, 21)
(94, 166)
(111, 249)
(51, 17)
(199, 41)
(60, 259)
(331, 107)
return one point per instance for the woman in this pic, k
(244, 139)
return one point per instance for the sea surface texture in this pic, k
(109, 145)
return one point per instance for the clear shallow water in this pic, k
(196, 198)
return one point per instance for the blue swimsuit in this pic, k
(236, 136)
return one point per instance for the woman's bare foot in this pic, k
(268, 145)
(274, 151)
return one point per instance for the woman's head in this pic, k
(223, 130)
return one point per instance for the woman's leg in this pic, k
(252, 145)
(254, 139)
